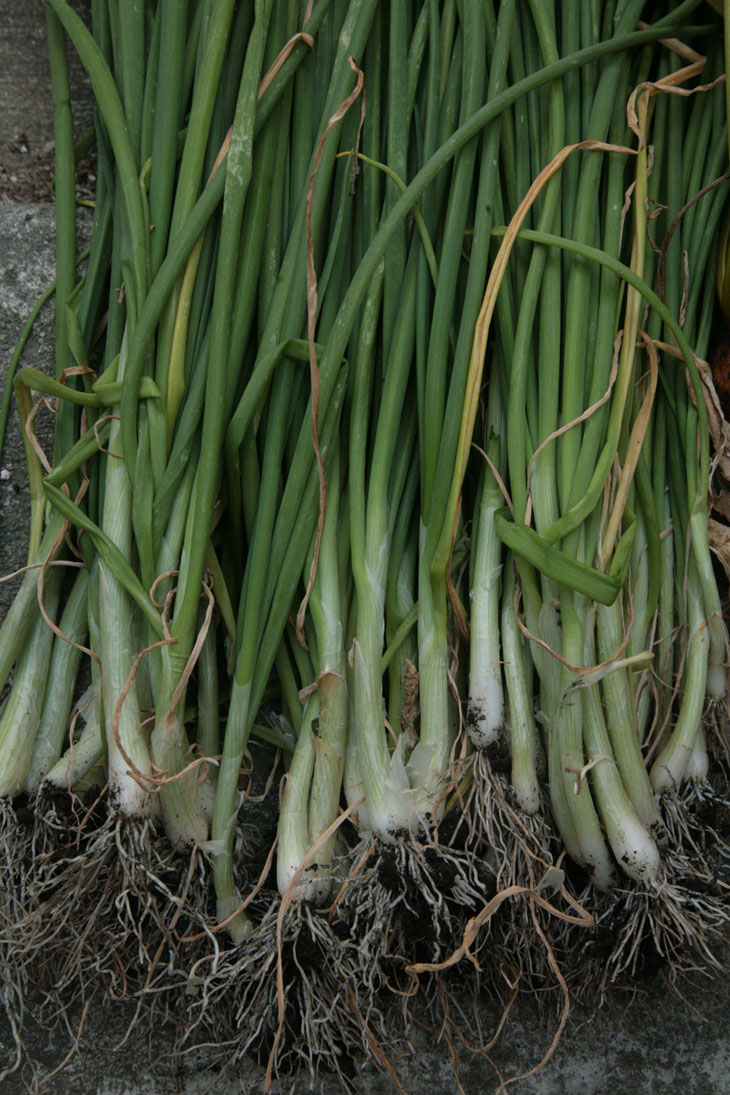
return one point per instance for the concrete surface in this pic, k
(660, 1044)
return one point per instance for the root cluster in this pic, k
(96, 906)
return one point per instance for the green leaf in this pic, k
(84, 450)
(555, 564)
(108, 552)
(46, 385)
(103, 395)
(622, 555)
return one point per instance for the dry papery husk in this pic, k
(104, 902)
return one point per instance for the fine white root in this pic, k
(303, 991)
(680, 924)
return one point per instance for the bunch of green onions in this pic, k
(381, 438)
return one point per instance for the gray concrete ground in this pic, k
(650, 1043)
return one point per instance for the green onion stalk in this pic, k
(85, 751)
(571, 712)
(63, 668)
(123, 615)
(183, 812)
(344, 323)
(485, 712)
(127, 750)
(312, 793)
(128, 755)
(704, 673)
(388, 810)
(21, 715)
(334, 345)
(612, 742)
(276, 528)
(401, 610)
(523, 735)
(437, 439)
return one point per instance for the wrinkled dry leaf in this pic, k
(411, 705)
(720, 504)
(718, 426)
(719, 536)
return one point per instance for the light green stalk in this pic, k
(523, 733)
(184, 816)
(24, 610)
(86, 751)
(621, 718)
(128, 755)
(312, 793)
(22, 709)
(670, 765)
(485, 713)
(629, 838)
(61, 681)
(571, 717)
